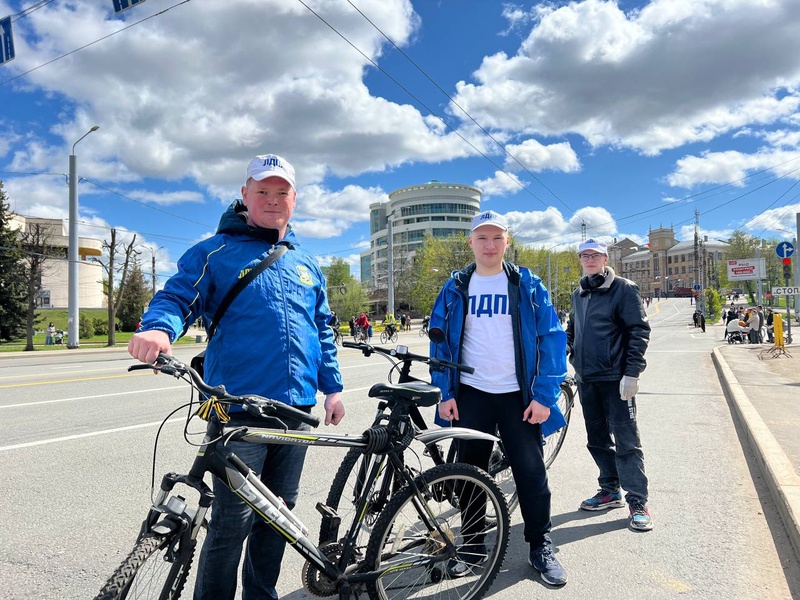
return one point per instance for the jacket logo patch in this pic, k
(305, 275)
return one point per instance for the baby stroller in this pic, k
(58, 338)
(736, 333)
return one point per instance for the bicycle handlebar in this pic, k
(437, 364)
(255, 405)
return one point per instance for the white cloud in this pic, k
(501, 184)
(731, 167)
(674, 72)
(536, 156)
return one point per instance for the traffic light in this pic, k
(787, 268)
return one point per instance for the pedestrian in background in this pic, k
(607, 337)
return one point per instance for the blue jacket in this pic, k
(273, 340)
(540, 347)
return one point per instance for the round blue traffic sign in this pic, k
(784, 249)
(696, 287)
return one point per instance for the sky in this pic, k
(576, 119)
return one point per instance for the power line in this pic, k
(32, 8)
(421, 103)
(462, 109)
(105, 37)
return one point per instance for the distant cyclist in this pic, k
(390, 324)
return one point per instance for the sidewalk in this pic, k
(763, 392)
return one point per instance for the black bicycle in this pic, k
(434, 520)
(347, 482)
(389, 334)
(337, 336)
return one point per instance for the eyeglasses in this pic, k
(590, 256)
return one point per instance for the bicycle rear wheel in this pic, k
(553, 442)
(146, 573)
(343, 496)
(401, 541)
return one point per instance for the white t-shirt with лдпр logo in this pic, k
(488, 344)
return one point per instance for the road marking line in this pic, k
(13, 385)
(26, 404)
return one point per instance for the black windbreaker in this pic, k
(608, 331)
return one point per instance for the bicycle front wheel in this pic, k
(384, 337)
(147, 571)
(413, 528)
(553, 442)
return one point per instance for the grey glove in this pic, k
(628, 387)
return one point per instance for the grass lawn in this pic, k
(59, 319)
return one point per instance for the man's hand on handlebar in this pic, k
(334, 409)
(145, 345)
(448, 410)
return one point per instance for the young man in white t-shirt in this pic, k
(498, 318)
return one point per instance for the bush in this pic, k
(85, 327)
(100, 326)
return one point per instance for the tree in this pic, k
(12, 283)
(346, 296)
(133, 298)
(37, 250)
(433, 264)
(115, 300)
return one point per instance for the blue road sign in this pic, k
(120, 5)
(6, 41)
(696, 287)
(784, 250)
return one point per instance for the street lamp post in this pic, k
(73, 317)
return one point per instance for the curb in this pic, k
(781, 478)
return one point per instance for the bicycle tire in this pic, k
(144, 573)
(384, 337)
(423, 332)
(553, 442)
(342, 499)
(399, 539)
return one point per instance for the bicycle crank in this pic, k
(316, 582)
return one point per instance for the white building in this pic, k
(435, 208)
(55, 279)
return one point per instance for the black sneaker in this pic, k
(469, 556)
(640, 516)
(543, 560)
(603, 500)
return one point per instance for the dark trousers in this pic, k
(613, 438)
(522, 442)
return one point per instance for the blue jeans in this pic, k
(279, 467)
(620, 460)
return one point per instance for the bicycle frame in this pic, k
(212, 457)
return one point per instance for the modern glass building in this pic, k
(434, 208)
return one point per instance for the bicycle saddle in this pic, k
(416, 392)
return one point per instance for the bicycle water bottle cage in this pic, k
(413, 392)
(213, 406)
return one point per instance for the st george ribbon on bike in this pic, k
(421, 531)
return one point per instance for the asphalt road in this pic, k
(77, 449)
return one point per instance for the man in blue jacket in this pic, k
(498, 318)
(273, 341)
(607, 337)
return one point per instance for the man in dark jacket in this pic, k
(607, 337)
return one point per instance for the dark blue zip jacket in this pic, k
(540, 347)
(273, 340)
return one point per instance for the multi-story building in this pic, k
(665, 264)
(434, 208)
(55, 278)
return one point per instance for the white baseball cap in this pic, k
(489, 217)
(270, 165)
(592, 244)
